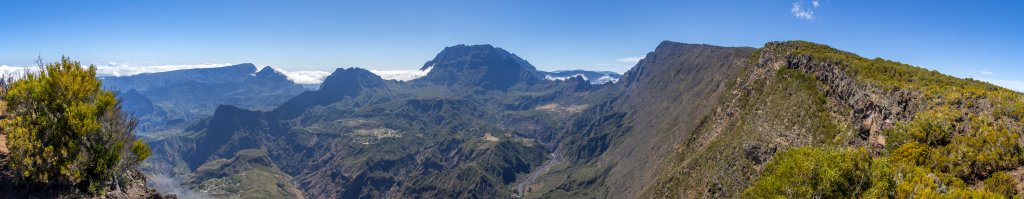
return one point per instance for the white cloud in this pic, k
(15, 70)
(563, 78)
(985, 72)
(800, 13)
(316, 77)
(815, 2)
(605, 79)
(305, 77)
(631, 59)
(118, 69)
(123, 69)
(299, 77)
(600, 80)
(402, 75)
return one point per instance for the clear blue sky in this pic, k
(982, 39)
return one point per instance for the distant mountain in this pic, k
(172, 100)
(138, 104)
(482, 66)
(362, 136)
(688, 121)
(147, 81)
(340, 84)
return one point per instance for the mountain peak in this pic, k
(269, 73)
(350, 78)
(344, 82)
(483, 66)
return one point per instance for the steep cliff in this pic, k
(797, 94)
(619, 145)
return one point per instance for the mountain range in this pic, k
(169, 101)
(688, 121)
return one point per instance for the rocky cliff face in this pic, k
(866, 108)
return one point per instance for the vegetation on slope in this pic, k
(960, 145)
(729, 147)
(250, 174)
(360, 136)
(63, 129)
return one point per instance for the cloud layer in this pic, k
(15, 70)
(600, 80)
(115, 69)
(316, 77)
(299, 77)
(305, 77)
(401, 75)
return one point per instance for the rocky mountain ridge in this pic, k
(690, 120)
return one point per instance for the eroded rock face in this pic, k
(866, 107)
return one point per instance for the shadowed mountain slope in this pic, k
(622, 142)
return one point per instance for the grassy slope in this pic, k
(787, 110)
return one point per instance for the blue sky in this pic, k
(980, 39)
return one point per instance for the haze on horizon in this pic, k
(964, 39)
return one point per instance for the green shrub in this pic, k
(911, 154)
(814, 173)
(850, 173)
(63, 128)
(1001, 183)
(140, 150)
